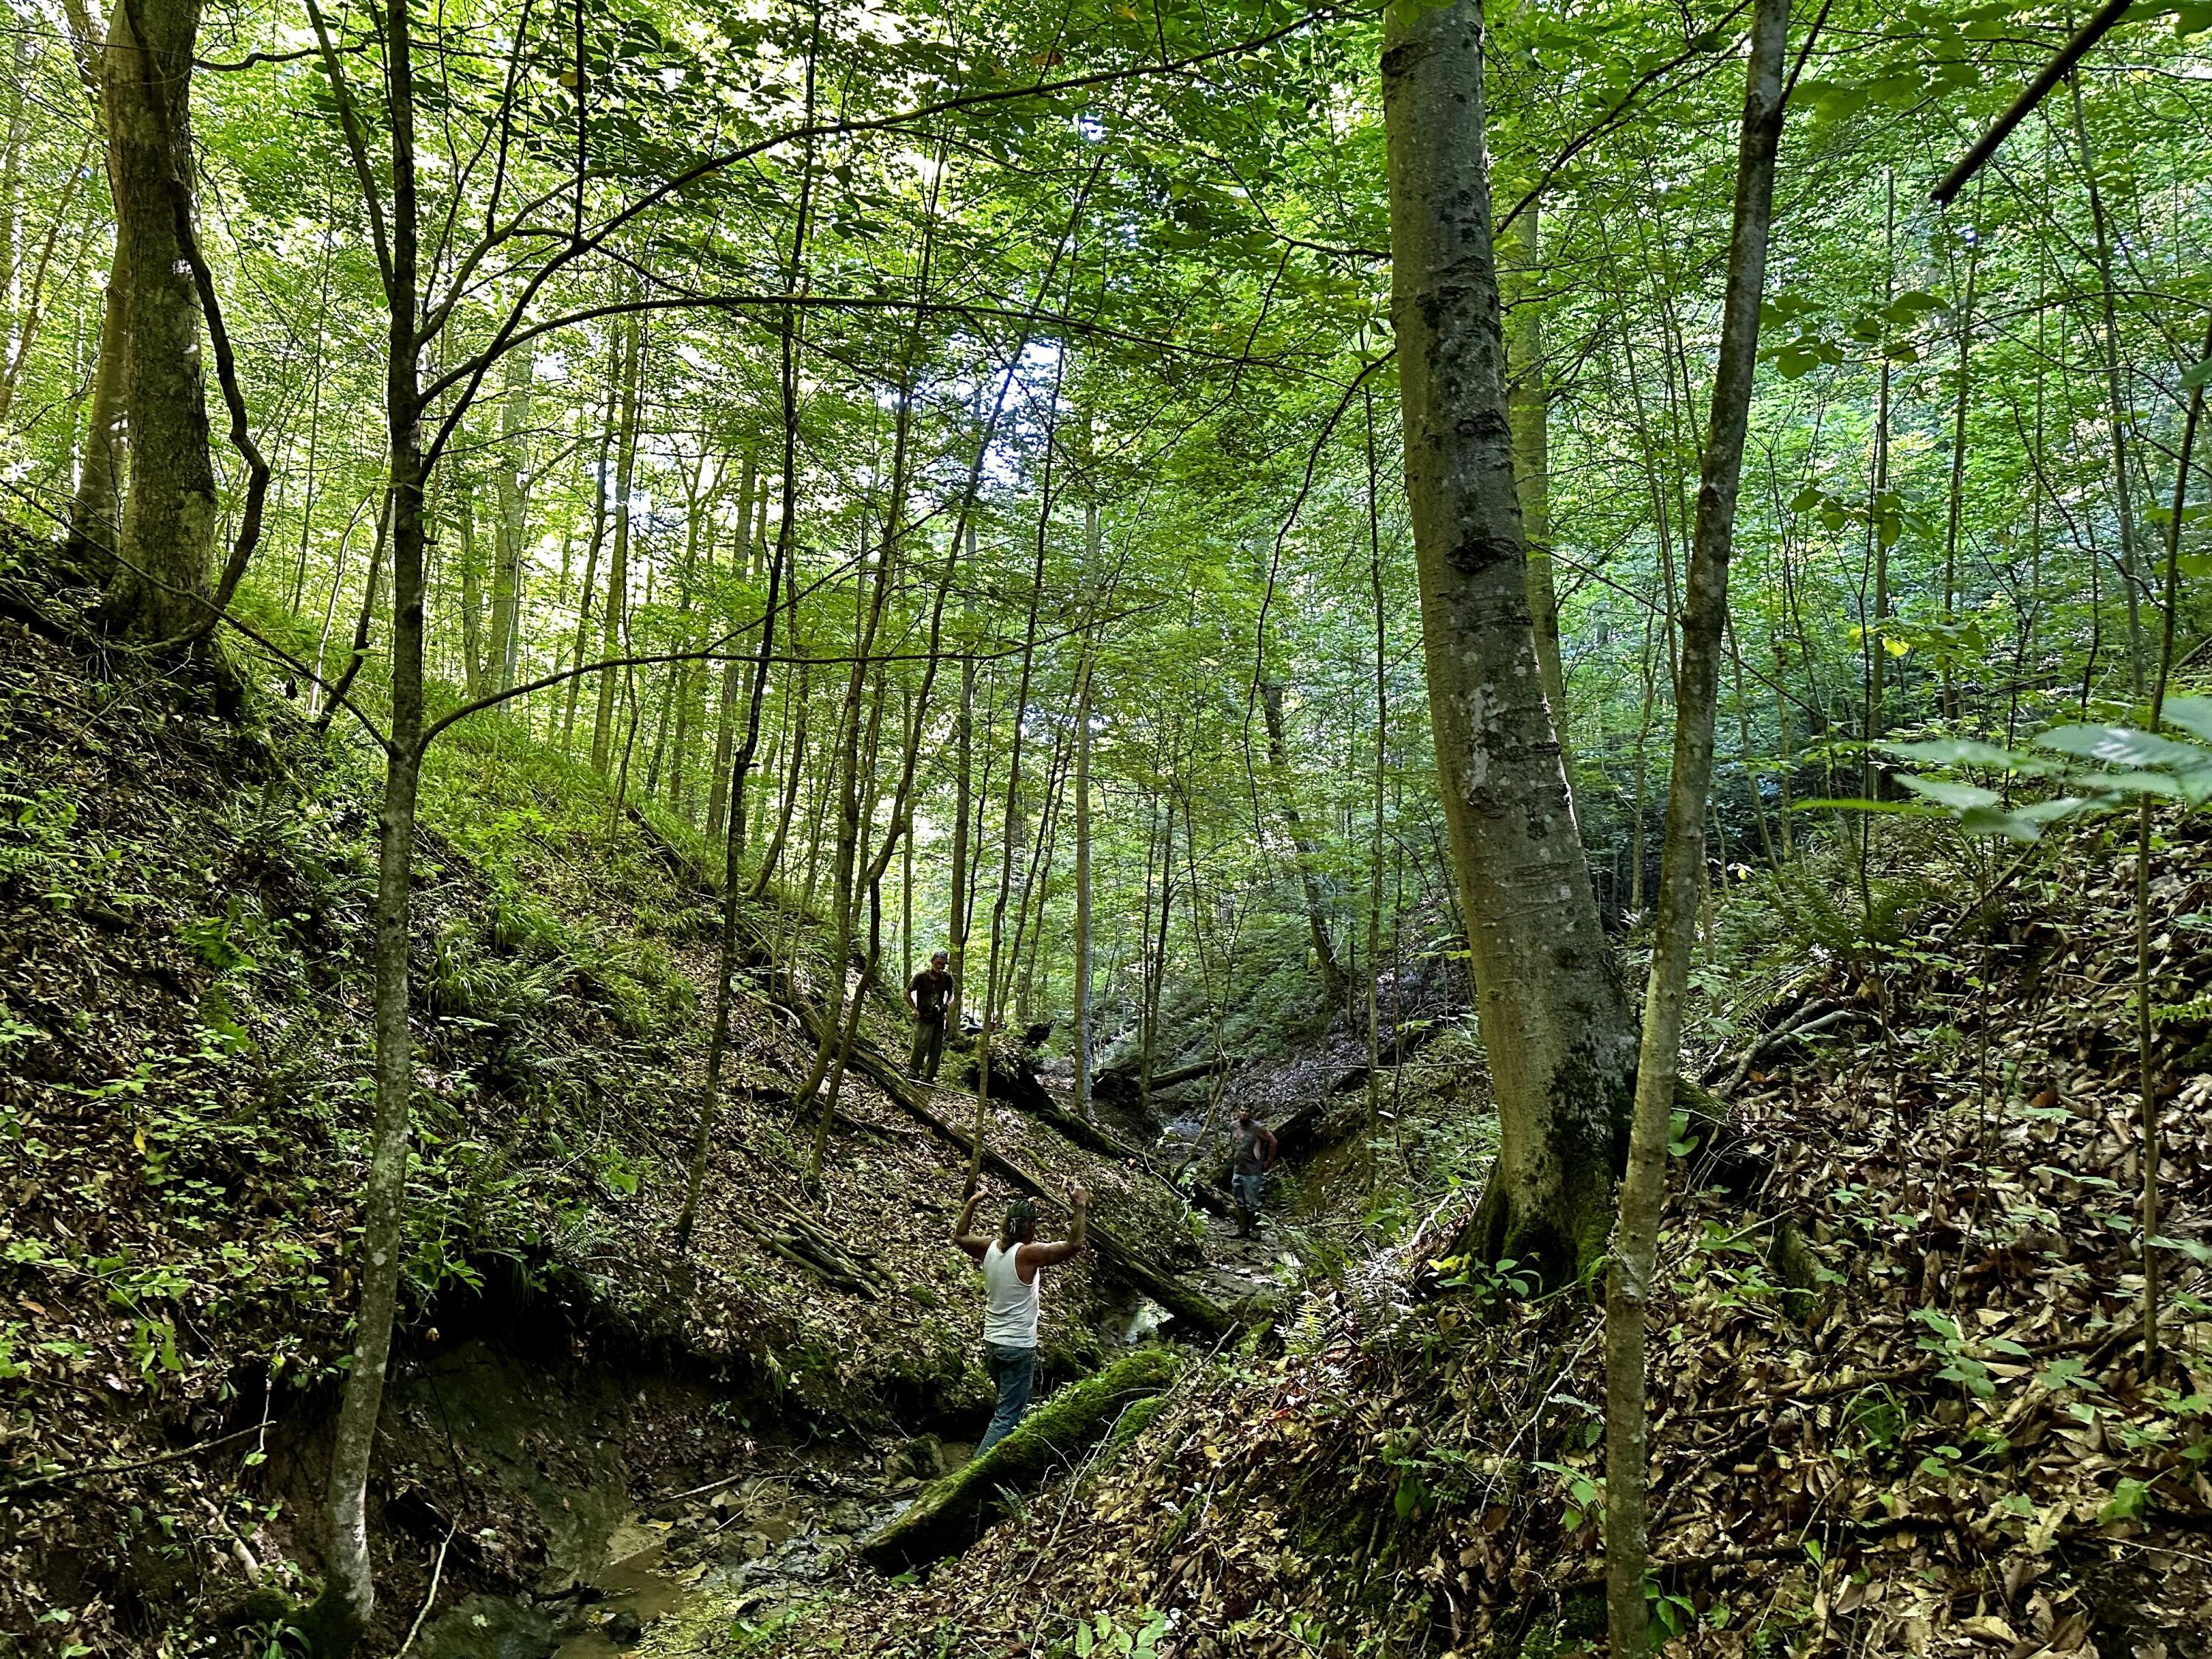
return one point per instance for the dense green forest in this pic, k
(1546, 672)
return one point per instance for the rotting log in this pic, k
(1180, 1300)
(1019, 1087)
(1120, 1085)
(954, 1512)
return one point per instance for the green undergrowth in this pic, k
(186, 914)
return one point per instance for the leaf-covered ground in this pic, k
(184, 1099)
(1920, 1425)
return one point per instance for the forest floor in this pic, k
(1899, 1406)
(184, 1068)
(1914, 1419)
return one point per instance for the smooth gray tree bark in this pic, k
(1527, 405)
(1553, 1016)
(342, 1613)
(96, 511)
(1682, 862)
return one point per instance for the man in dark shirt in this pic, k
(930, 996)
(1253, 1146)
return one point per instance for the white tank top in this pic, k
(1010, 1314)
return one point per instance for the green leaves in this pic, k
(1105, 1634)
(2091, 768)
(2155, 764)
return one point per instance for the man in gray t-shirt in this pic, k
(1252, 1156)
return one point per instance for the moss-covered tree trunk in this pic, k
(1554, 1018)
(169, 513)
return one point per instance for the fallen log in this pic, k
(1180, 1300)
(1123, 1084)
(1124, 1262)
(954, 1512)
(1021, 1088)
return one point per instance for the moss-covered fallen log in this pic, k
(952, 1514)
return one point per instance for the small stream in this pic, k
(683, 1573)
(742, 1552)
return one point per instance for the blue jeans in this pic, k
(1245, 1188)
(1014, 1370)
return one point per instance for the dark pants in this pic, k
(1246, 1190)
(928, 1048)
(1014, 1370)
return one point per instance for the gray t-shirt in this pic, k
(1250, 1159)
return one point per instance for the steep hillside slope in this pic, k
(184, 1078)
(1901, 1406)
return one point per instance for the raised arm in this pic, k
(973, 1243)
(1044, 1255)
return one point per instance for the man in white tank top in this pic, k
(1012, 1262)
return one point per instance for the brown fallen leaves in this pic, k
(1926, 1430)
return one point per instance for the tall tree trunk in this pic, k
(583, 643)
(1628, 1278)
(1638, 816)
(513, 501)
(856, 801)
(1527, 406)
(342, 1613)
(1879, 537)
(13, 143)
(741, 559)
(1303, 845)
(790, 338)
(687, 680)
(2146, 1063)
(169, 513)
(96, 511)
(963, 785)
(473, 668)
(1085, 675)
(1154, 979)
(318, 371)
(615, 613)
(1955, 506)
(2115, 405)
(1010, 837)
(798, 697)
(1553, 1017)
(1375, 833)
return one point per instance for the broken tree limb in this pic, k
(2053, 72)
(1809, 1021)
